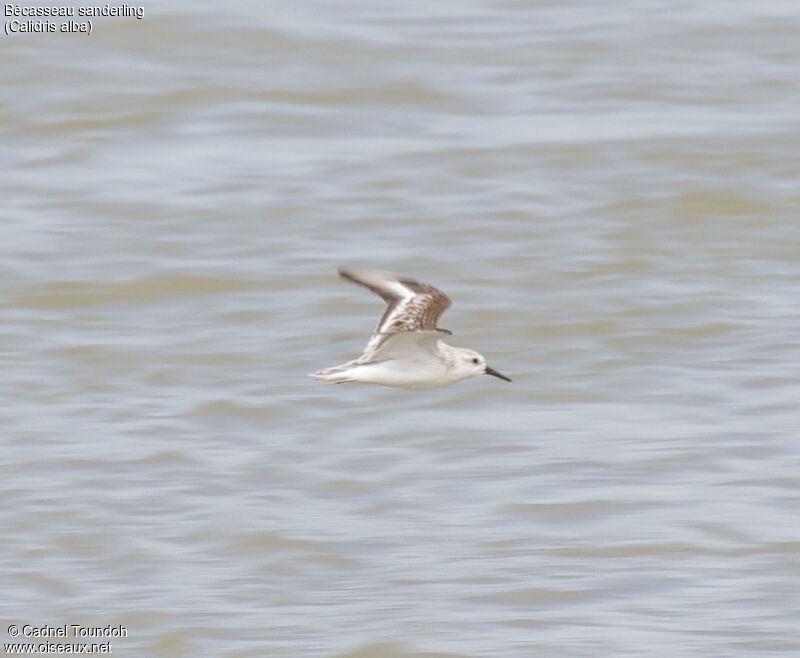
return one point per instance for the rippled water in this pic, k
(610, 195)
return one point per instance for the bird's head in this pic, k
(470, 364)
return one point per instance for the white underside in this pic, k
(397, 373)
(415, 360)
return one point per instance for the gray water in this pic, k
(608, 193)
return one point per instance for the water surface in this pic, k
(610, 198)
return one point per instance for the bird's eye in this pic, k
(475, 361)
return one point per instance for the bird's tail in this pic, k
(336, 375)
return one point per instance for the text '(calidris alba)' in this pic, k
(406, 350)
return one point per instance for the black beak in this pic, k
(494, 373)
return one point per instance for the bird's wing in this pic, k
(411, 306)
(405, 345)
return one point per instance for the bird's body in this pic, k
(406, 350)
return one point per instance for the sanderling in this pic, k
(406, 349)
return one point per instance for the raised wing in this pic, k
(411, 306)
(406, 345)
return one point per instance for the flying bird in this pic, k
(406, 349)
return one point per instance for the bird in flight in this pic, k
(406, 349)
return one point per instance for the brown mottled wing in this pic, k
(411, 306)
